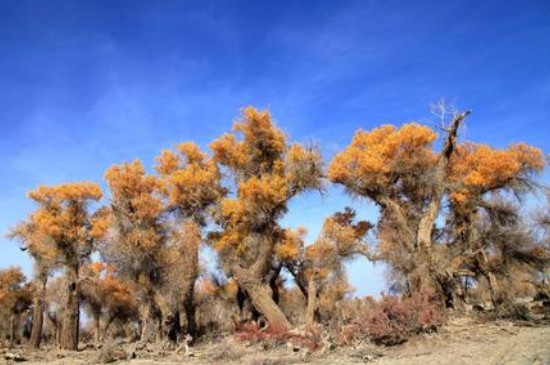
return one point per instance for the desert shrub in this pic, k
(310, 340)
(388, 322)
(392, 320)
(272, 336)
(349, 334)
(269, 337)
(506, 307)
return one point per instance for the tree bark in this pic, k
(38, 313)
(262, 299)
(12, 329)
(97, 326)
(425, 227)
(71, 322)
(311, 302)
(252, 280)
(189, 307)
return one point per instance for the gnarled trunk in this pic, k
(97, 325)
(38, 314)
(262, 299)
(13, 329)
(71, 321)
(312, 302)
(189, 307)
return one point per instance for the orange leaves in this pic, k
(267, 173)
(59, 194)
(260, 133)
(476, 168)
(304, 168)
(14, 294)
(167, 162)
(192, 153)
(229, 152)
(265, 193)
(191, 182)
(375, 158)
(59, 230)
(291, 246)
(262, 145)
(130, 186)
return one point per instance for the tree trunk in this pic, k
(189, 306)
(263, 301)
(97, 326)
(38, 314)
(311, 301)
(252, 280)
(425, 227)
(146, 322)
(151, 320)
(106, 328)
(71, 322)
(12, 329)
(172, 326)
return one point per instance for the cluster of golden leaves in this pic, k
(131, 187)
(12, 288)
(190, 179)
(62, 223)
(268, 173)
(477, 168)
(374, 159)
(106, 288)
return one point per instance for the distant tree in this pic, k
(15, 297)
(190, 183)
(64, 224)
(38, 245)
(104, 295)
(137, 239)
(319, 267)
(264, 174)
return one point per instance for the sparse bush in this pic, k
(269, 337)
(507, 308)
(392, 320)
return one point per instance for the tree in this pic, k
(15, 297)
(318, 268)
(38, 246)
(487, 232)
(266, 173)
(104, 295)
(398, 169)
(190, 182)
(65, 224)
(137, 239)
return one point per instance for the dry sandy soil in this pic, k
(462, 341)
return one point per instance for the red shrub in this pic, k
(251, 332)
(391, 320)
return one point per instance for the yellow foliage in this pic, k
(477, 168)
(291, 246)
(374, 158)
(129, 184)
(191, 183)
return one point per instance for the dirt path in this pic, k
(460, 342)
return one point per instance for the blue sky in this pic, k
(85, 84)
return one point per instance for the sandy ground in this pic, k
(462, 341)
